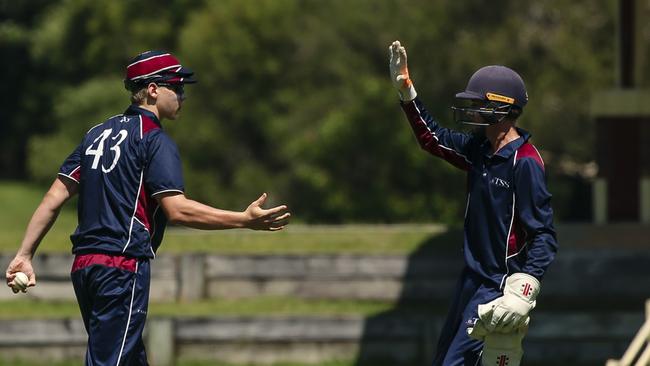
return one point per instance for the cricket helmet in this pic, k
(493, 93)
(156, 67)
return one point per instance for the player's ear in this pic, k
(152, 90)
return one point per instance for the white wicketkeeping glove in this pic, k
(477, 329)
(510, 311)
(399, 72)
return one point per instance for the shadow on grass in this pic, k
(407, 333)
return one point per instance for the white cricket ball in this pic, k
(20, 281)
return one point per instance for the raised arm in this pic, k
(452, 146)
(183, 211)
(42, 220)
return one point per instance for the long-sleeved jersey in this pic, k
(508, 218)
(120, 166)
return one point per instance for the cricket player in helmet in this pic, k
(493, 94)
(509, 238)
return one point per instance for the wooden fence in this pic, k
(580, 278)
(589, 309)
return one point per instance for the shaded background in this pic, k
(294, 96)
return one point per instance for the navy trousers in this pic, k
(455, 347)
(113, 296)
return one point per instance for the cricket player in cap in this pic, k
(509, 239)
(127, 173)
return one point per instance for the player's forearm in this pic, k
(39, 225)
(199, 216)
(439, 141)
(422, 125)
(45, 215)
(541, 253)
(535, 213)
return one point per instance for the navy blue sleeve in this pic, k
(71, 167)
(163, 171)
(445, 143)
(533, 206)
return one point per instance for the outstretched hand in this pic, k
(20, 264)
(272, 219)
(399, 72)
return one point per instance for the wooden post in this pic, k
(191, 283)
(160, 342)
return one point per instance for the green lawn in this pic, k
(260, 306)
(19, 201)
(296, 238)
(10, 362)
(331, 363)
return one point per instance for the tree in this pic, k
(294, 97)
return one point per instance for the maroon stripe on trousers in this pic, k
(117, 261)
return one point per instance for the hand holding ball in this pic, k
(20, 282)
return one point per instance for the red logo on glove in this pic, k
(526, 289)
(502, 360)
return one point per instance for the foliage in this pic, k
(293, 96)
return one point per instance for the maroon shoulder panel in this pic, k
(527, 150)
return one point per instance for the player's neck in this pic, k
(501, 134)
(151, 108)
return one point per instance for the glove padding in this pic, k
(476, 328)
(399, 72)
(498, 348)
(510, 311)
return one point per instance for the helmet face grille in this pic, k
(482, 115)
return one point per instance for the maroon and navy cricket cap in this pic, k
(156, 66)
(496, 83)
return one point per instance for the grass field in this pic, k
(266, 306)
(19, 201)
(10, 362)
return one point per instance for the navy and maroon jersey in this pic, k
(508, 217)
(120, 166)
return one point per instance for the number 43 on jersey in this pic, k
(98, 151)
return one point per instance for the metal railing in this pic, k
(640, 344)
